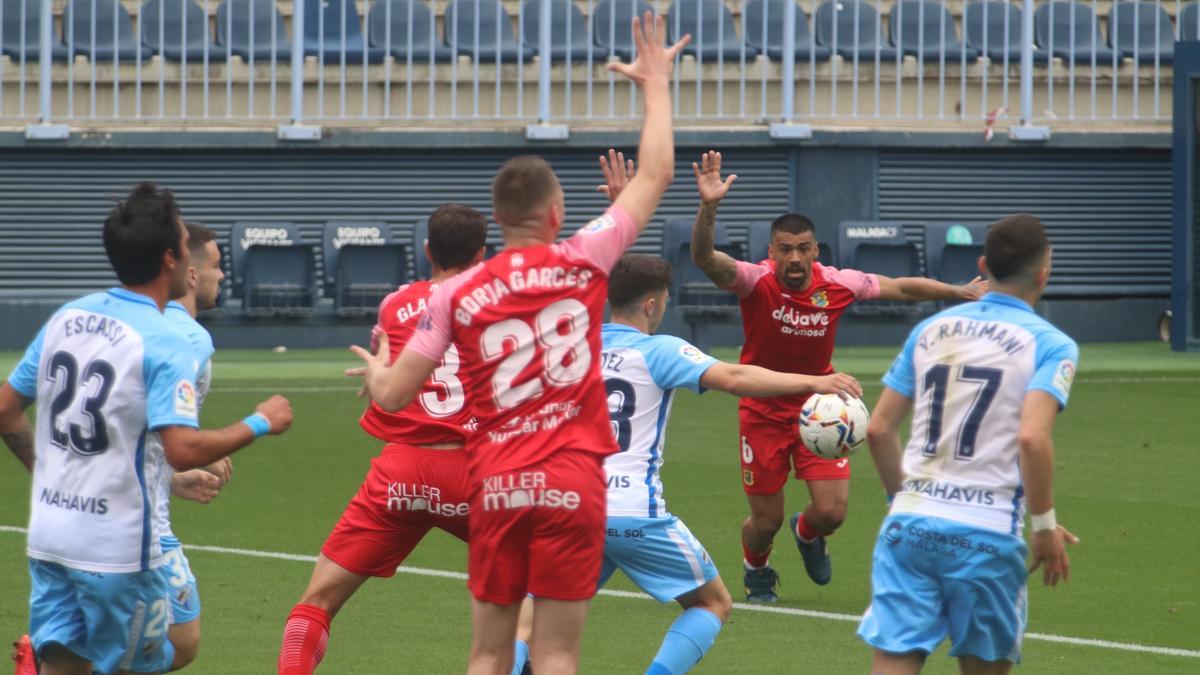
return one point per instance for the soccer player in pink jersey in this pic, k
(791, 305)
(527, 328)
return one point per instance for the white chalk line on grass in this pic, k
(339, 388)
(766, 609)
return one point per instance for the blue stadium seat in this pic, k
(25, 14)
(177, 29)
(333, 33)
(247, 27)
(1056, 22)
(274, 271)
(758, 239)
(568, 31)
(691, 288)
(111, 18)
(953, 249)
(1189, 22)
(389, 23)
(363, 264)
(711, 25)
(835, 23)
(925, 29)
(1142, 29)
(768, 39)
(611, 26)
(488, 20)
(879, 248)
(985, 24)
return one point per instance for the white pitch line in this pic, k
(766, 609)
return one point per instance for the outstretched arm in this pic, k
(656, 151)
(756, 382)
(915, 289)
(720, 267)
(883, 437)
(14, 425)
(189, 448)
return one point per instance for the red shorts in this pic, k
(407, 491)
(771, 445)
(539, 530)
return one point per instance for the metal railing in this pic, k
(542, 62)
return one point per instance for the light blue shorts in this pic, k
(116, 621)
(660, 555)
(932, 578)
(185, 599)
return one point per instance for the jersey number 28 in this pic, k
(563, 361)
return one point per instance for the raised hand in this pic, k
(278, 412)
(654, 59)
(708, 178)
(974, 289)
(617, 171)
(1048, 548)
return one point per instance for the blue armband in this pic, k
(258, 424)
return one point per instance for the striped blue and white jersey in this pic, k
(105, 370)
(968, 370)
(202, 350)
(641, 373)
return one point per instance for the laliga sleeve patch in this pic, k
(1064, 376)
(693, 354)
(604, 222)
(185, 399)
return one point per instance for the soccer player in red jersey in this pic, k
(791, 305)
(527, 327)
(419, 481)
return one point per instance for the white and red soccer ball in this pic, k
(832, 426)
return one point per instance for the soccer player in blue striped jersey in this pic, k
(641, 371)
(106, 370)
(984, 382)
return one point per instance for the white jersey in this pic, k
(968, 370)
(105, 370)
(640, 373)
(202, 350)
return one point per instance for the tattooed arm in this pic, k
(14, 425)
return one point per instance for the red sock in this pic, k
(806, 532)
(756, 560)
(304, 639)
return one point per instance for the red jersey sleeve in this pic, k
(747, 277)
(604, 240)
(864, 285)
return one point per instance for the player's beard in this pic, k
(794, 283)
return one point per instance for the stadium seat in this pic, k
(953, 249)
(389, 24)
(26, 14)
(363, 264)
(422, 267)
(568, 31)
(488, 22)
(768, 38)
(177, 29)
(925, 29)
(1142, 30)
(611, 20)
(106, 35)
(247, 27)
(1055, 23)
(758, 239)
(1189, 22)
(273, 269)
(333, 33)
(835, 24)
(691, 288)
(984, 27)
(711, 25)
(879, 248)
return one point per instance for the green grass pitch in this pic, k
(1126, 469)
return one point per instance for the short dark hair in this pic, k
(523, 184)
(456, 233)
(636, 276)
(1014, 245)
(139, 230)
(793, 223)
(198, 238)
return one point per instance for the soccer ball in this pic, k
(833, 427)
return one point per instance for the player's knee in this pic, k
(767, 523)
(830, 517)
(721, 604)
(185, 638)
(185, 654)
